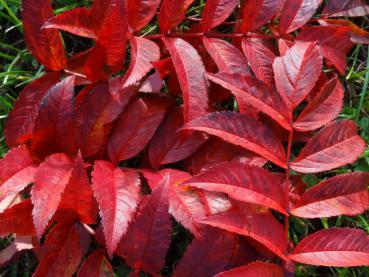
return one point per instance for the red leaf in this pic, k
(334, 247)
(136, 127)
(336, 145)
(17, 170)
(172, 12)
(190, 72)
(260, 59)
(243, 183)
(96, 265)
(117, 193)
(51, 179)
(17, 219)
(254, 269)
(256, 13)
(98, 110)
(143, 53)
(64, 257)
(323, 108)
(226, 56)
(45, 45)
(336, 8)
(333, 41)
(261, 227)
(243, 131)
(147, 240)
(296, 13)
(256, 94)
(345, 194)
(54, 130)
(21, 119)
(216, 150)
(206, 256)
(297, 72)
(357, 34)
(168, 146)
(140, 12)
(78, 197)
(216, 12)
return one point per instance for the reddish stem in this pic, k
(287, 187)
(209, 35)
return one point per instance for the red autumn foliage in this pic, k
(122, 159)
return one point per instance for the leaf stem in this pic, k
(209, 35)
(287, 187)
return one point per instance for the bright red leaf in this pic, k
(141, 12)
(172, 12)
(216, 12)
(254, 269)
(96, 265)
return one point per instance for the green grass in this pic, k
(18, 67)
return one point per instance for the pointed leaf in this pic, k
(243, 183)
(345, 194)
(54, 130)
(297, 72)
(96, 265)
(261, 227)
(21, 120)
(136, 127)
(216, 12)
(334, 247)
(335, 8)
(17, 219)
(336, 145)
(143, 53)
(190, 72)
(141, 12)
(244, 131)
(51, 178)
(65, 257)
(147, 240)
(260, 59)
(254, 269)
(322, 109)
(45, 45)
(206, 256)
(17, 170)
(172, 12)
(117, 193)
(256, 94)
(296, 13)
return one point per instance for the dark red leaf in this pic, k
(206, 256)
(96, 265)
(45, 45)
(168, 146)
(51, 179)
(21, 119)
(172, 12)
(190, 72)
(254, 269)
(17, 170)
(216, 12)
(63, 258)
(260, 59)
(297, 72)
(117, 193)
(98, 110)
(243, 183)
(336, 8)
(357, 34)
(54, 130)
(334, 247)
(262, 227)
(17, 219)
(336, 145)
(345, 194)
(256, 94)
(296, 13)
(143, 53)
(324, 108)
(19, 244)
(147, 240)
(140, 12)
(256, 13)
(243, 131)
